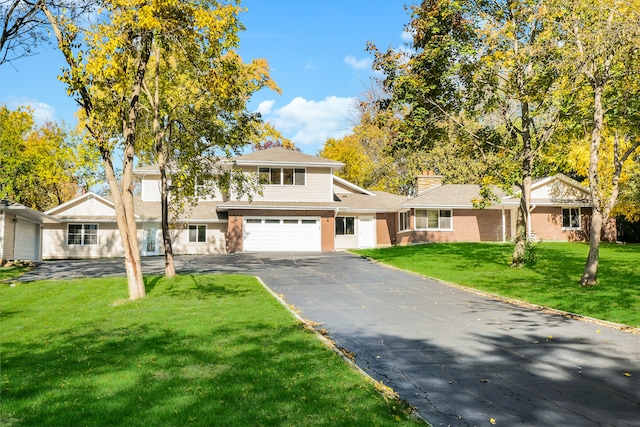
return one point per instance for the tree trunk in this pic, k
(159, 136)
(122, 197)
(523, 226)
(590, 274)
(169, 266)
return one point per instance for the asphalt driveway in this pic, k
(462, 359)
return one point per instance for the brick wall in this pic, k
(469, 225)
(386, 229)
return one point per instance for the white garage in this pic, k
(272, 234)
(27, 241)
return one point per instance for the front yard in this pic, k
(552, 281)
(198, 350)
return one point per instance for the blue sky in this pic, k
(315, 49)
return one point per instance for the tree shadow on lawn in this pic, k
(193, 286)
(140, 376)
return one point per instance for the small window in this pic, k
(309, 221)
(434, 219)
(571, 218)
(403, 220)
(82, 234)
(276, 176)
(287, 176)
(272, 221)
(254, 221)
(345, 225)
(197, 233)
(263, 175)
(290, 221)
(282, 176)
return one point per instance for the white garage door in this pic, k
(26, 241)
(295, 234)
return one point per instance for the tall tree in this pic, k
(105, 73)
(485, 68)
(602, 60)
(42, 166)
(196, 74)
(23, 27)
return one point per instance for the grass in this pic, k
(552, 281)
(8, 273)
(198, 350)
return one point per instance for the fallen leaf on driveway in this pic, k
(492, 421)
(627, 374)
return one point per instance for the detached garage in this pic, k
(272, 234)
(20, 232)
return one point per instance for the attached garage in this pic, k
(272, 234)
(27, 241)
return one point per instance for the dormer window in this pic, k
(282, 176)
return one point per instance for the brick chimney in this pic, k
(427, 180)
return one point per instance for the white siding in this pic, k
(558, 190)
(87, 207)
(151, 188)
(215, 244)
(317, 188)
(55, 243)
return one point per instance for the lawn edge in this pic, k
(344, 354)
(517, 302)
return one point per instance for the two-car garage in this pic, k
(271, 234)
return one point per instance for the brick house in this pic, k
(305, 207)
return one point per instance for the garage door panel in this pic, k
(281, 234)
(26, 241)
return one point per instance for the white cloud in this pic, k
(357, 64)
(309, 123)
(311, 64)
(407, 36)
(265, 106)
(41, 112)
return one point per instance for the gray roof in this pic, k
(25, 212)
(453, 195)
(362, 202)
(283, 156)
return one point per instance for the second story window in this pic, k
(282, 176)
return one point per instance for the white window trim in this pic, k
(415, 220)
(82, 234)
(282, 184)
(569, 208)
(345, 226)
(407, 221)
(197, 226)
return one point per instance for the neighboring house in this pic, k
(305, 207)
(21, 231)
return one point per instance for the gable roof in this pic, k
(556, 190)
(24, 211)
(351, 186)
(283, 157)
(450, 196)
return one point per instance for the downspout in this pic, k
(504, 231)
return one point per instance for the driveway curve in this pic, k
(460, 358)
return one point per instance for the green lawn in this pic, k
(211, 350)
(552, 281)
(8, 273)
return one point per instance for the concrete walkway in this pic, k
(460, 358)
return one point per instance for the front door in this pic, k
(150, 242)
(366, 232)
